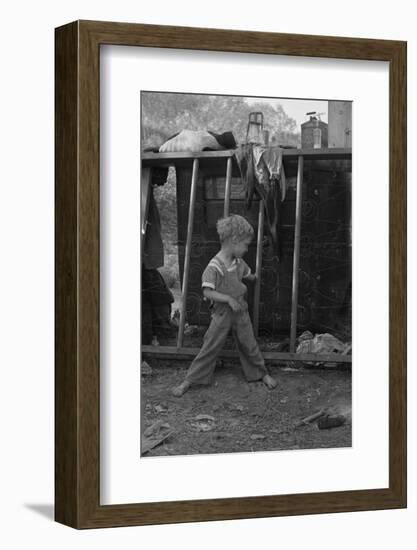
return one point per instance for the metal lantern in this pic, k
(254, 132)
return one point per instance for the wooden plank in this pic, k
(340, 123)
(172, 352)
(193, 194)
(259, 244)
(215, 210)
(309, 154)
(228, 187)
(148, 157)
(67, 436)
(296, 256)
(215, 188)
(148, 443)
(326, 153)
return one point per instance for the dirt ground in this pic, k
(233, 415)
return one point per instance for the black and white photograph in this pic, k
(246, 274)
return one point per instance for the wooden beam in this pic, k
(259, 245)
(228, 187)
(335, 153)
(172, 352)
(296, 256)
(148, 157)
(193, 194)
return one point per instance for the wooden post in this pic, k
(259, 246)
(228, 187)
(191, 209)
(145, 184)
(296, 257)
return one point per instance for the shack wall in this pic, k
(325, 257)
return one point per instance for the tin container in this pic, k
(314, 134)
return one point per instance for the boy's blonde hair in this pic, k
(234, 226)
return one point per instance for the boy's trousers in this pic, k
(223, 319)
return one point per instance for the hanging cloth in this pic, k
(262, 172)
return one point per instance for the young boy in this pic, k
(222, 285)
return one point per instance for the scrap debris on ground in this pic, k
(309, 409)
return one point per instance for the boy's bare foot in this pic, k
(269, 382)
(178, 391)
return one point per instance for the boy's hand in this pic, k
(234, 305)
